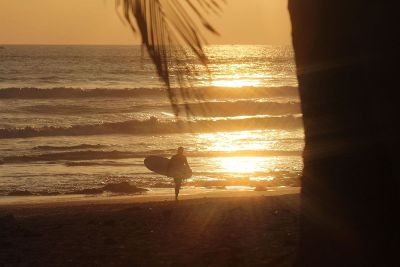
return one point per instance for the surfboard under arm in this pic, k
(159, 165)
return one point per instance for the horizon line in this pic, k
(89, 44)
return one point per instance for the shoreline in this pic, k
(150, 196)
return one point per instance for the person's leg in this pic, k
(178, 183)
(176, 191)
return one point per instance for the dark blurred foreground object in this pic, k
(347, 56)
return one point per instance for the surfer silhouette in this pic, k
(176, 165)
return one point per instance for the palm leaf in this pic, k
(169, 29)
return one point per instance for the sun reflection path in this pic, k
(235, 83)
(236, 142)
(241, 164)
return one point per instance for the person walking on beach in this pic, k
(176, 166)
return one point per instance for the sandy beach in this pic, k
(205, 229)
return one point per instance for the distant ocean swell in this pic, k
(82, 146)
(154, 126)
(207, 92)
(116, 155)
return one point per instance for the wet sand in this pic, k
(204, 229)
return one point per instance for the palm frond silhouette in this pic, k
(170, 29)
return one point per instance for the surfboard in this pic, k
(159, 165)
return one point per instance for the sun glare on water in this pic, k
(233, 141)
(238, 147)
(240, 164)
(235, 83)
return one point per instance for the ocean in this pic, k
(81, 117)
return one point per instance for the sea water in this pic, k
(78, 117)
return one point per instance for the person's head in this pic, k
(180, 150)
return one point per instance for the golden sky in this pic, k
(96, 22)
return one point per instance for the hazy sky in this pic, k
(96, 22)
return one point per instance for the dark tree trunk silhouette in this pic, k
(347, 56)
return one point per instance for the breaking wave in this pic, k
(75, 158)
(203, 109)
(243, 108)
(154, 126)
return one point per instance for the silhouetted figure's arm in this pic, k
(185, 162)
